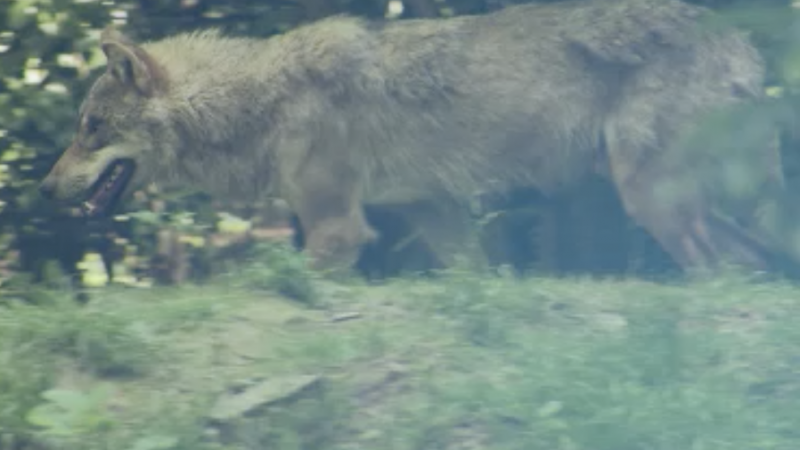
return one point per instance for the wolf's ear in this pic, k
(129, 63)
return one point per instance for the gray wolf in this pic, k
(343, 112)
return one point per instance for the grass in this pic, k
(464, 361)
(278, 267)
(99, 341)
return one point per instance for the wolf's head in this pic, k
(121, 131)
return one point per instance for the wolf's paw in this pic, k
(336, 245)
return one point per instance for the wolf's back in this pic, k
(616, 31)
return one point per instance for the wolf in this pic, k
(422, 115)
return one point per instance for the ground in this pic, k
(267, 358)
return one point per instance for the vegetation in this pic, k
(464, 361)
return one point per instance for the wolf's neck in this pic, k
(225, 87)
(217, 92)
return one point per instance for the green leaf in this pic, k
(19, 15)
(66, 399)
(790, 66)
(49, 417)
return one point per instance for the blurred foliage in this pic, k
(49, 57)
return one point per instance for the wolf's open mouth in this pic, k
(107, 190)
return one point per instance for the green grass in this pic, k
(465, 361)
(277, 267)
(100, 341)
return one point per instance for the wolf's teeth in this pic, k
(113, 177)
(89, 207)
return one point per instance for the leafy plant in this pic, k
(73, 414)
(279, 267)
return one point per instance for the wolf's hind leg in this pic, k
(673, 155)
(670, 202)
(444, 227)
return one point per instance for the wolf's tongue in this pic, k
(108, 189)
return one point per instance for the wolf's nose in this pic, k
(47, 190)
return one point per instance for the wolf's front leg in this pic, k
(333, 221)
(334, 243)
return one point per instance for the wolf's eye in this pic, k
(92, 135)
(92, 124)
